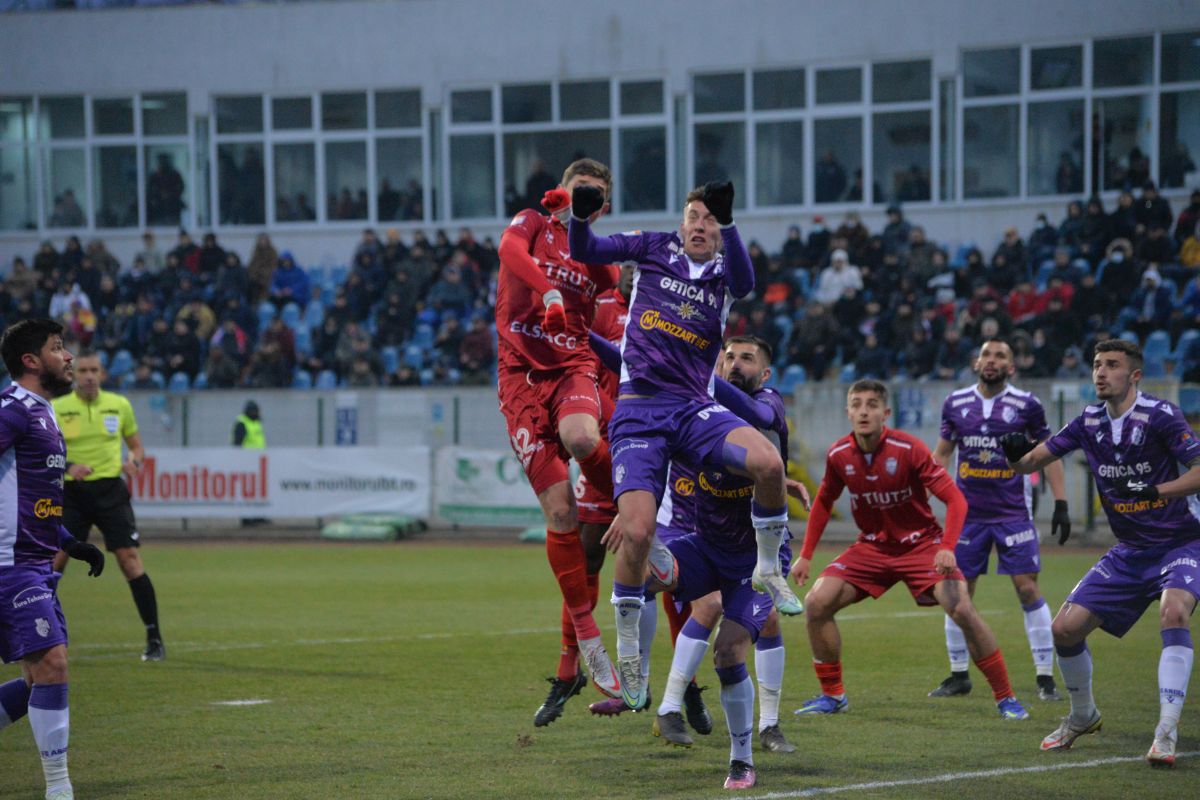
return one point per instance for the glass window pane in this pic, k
(643, 169)
(778, 88)
(1180, 57)
(584, 100)
(346, 180)
(240, 114)
(240, 183)
(398, 164)
(295, 182)
(1056, 67)
(900, 156)
(534, 162)
(164, 114)
(115, 180)
(472, 176)
(717, 93)
(1055, 143)
(991, 72)
(1121, 143)
(900, 81)
(344, 111)
(1179, 143)
(1122, 62)
(112, 116)
(66, 184)
(398, 109)
(641, 97)
(991, 166)
(291, 113)
(62, 118)
(471, 106)
(528, 102)
(837, 145)
(721, 156)
(779, 163)
(16, 119)
(166, 187)
(839, 85)
(18, 189)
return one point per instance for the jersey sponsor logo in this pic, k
(1012, 401)
(630, 444)
(565, 278)
(45, 508)
(891, 465)
(1180, 562)
(1135, 506)
(112, 423)
(22, 600)
(652, 320)
(1124, 470)
(910, 538)
(685, 487)
(1019, 538)
(962, 401)
(739, 493)
(563, 340)
(56, 461)
(965, 470)
(524, 447)
(882, 499)
(980, 441)
(689, 291)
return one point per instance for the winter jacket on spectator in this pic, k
(1122, 222)
(896, 232)
(1071, 228)
(199, 317)
(61, 302)
(839, 276)
(289, 283)
(1152, 209)
(263, 262)
(1156, 247)
(183, 351)
(1185, 226)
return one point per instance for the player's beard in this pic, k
(747, 383)
(57, 384)
(994, 384)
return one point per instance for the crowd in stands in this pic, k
(841, 302)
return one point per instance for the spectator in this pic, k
(369, 247)
(361, 375)
(1062, 267)
(1185, 226)
(164, 193)
(873, 361)
(263, 262)
(814, 339)
(136, 282)
(896, 233)
(1094, 235)
(1089, 306)
(1068, 178)
(231, 339)
(1189, 251)
(920, 354)
(106, 297)
(46, 262)
(920, 256)
(1024, 304)
(66, 213)
(830, 178)
(323, 354)
(1156, 247)
(68, 294)
(221, 370)
(199, 317)
(284, 340)
(448, 340)
(289, 283)
(1046, 357)
(1013, 248)
(1072, 227)
(187, 253)
(211, 259)
(143, 379)
(953, 356)
(393, 324)
(183, 351)
(142, 327)
(855, 234)
(1042, 241)
(1187, 315)
(836, 278)
(352, 339)
(359, 297)
(232, 281)
(1072, 366)
(151, 256)
(793, 251)
(818, 240)
(394, 249)
(450, 292)
(1150, 306)
(104, 260)
(1120, 275)
(72, 256)
(404, 376)
(21, 281)
(1123, 223)
(268, 369)
(1151, 209)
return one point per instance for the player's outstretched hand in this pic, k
(93, 555)
(718, 197)
(556, 200)
(944, 562)
(613, 537)
(799, 571)
(799, 491)
(1015, 445)
(1060, 523)
(1136, 490)
(585, 201)
(556, 313)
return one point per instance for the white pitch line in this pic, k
(239, 702)
(999, 772)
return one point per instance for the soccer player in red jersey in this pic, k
(545, 304)
(889, 475)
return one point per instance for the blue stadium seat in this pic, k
(122, 364)
(291, 315)
(159, 379)
(339, 274)
(1157, 344)
(1181, 347)
(426, 377)
(1129, 336)
(1189, 400)
(423, 336)
(793, 376)
(847, 373)
(326, 379)
(201, 381)
(302, 379)
(179, 382)
(314, 314)
(103, 356)
(303, 340)
(391, 359)
(414, 356)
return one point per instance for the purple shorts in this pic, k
(704, 568)
(1126, 580)
(647, 432)
(1016, 548)
(31, 619)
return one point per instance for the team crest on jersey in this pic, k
(984, 427)
(43, 626)
(1008, 413)
(685, 310)
(849, 469)
(1138, 436)
(986, 457)
(890, 465)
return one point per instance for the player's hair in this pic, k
(86, 352)
(1122, 346)
(869, 385)
(998, 340)
(592, 168)
(28, 336)
(693, 196)
(763, 346)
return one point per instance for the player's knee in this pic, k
(765, 465)
(1064, 634)
(51, 667)
(1027, 590)
(1173, 615)
(729, 651)
(581, 442)
(771, 626)
(817, 605)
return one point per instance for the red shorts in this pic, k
(533, 402)
(595, 508)
(874, 567)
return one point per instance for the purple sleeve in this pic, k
(588, 248)
(609, 355)
(13, 424)
(65, 539)
(1178, 437)
(1068, 439)
(759, 414)
(1037, 427)
(947, 431)
(738, 269)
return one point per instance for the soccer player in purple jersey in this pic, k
(682, 292)
(32, 462)
(999, 505)
(1135, 445)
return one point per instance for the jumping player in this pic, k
(888, 474)
(999, 506)
(665, 410)
(547, 384)
(1134, 444)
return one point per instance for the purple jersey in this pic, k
(32, 461)
(1147, 443)
(677, 314)
(995, 492)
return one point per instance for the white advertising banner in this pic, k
(483, 487)
(283, 482)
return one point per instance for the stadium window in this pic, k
(841, 85)
(991, 162)
(18, 190)
(65, 179)
(240, 183)
(240, 114)
(534, 162)
(777, 89)
(164, 114)
(900, 156)
(526, 102)
(584, 100)
(838, 150)
(991, 72)
(1056, 67)
(115, 181)
(1122, 62)
(401, 189)
(900, 81)
(722, 93)
(295, 181)
(472, 176)
(1180, 57)
(1121, 143)
(1179, 141)
(166, 166)
(643, 184)
(641, 97)
(720, 155)
(400, 108)
(1054, 146)
(62, 118)
(474, 105)
(779, 163)
(112, 116)
(291, 113)
(16, 120)
(344, 111)
(346, 181)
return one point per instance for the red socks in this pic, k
(830, 676)
(675, 618)
(597, 467)
(996, 673)
(565, 553)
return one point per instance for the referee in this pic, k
(94, 423)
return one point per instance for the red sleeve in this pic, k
(818, 518)
(605, 276)
(515, 247)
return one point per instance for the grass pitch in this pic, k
(414, 670)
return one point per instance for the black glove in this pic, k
(718, 197)
(1060, 523)
(585, 201)
(93, 555)
(1136, 490)
(1015, 446)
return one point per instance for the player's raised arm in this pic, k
(609, 354)
(516, 257)
(756, 413)
(587, 247)
(718, 198)
(1025, 455)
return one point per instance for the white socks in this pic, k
(1075, 664)
(956, 646)
(1041, 640)
(768, 668)
(1174, 670)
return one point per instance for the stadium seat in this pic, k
(314, 313)
(847, 373)
(291, 315)
(1181, 347)
(426, 376)
(303, 340)
(302, 379)
(326, 379)
(266, 313)
(423, 336)
(414, 356)
(201, 381)
(122, 364)
(103, 356)
(1157, 344)
(159, 379)
(179, 382)
(1189, 400)
(339, 274)
(391, 359)
(1129, 336)
(793, 376)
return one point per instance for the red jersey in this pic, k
(612, 312)
(889, 492)
(520, 311)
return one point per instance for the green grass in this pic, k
(413, 670)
